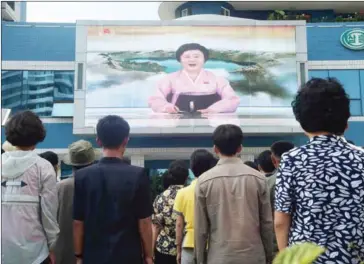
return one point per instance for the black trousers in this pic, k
(160, 258)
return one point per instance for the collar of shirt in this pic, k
(326, 139)
(197, 78)
(229, 160)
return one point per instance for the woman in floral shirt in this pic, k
(164, 219)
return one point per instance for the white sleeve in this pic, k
(49, 204)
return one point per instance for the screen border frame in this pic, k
(289, 124)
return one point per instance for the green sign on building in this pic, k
(353, 39)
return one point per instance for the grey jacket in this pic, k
(233, 215)
(64, 249)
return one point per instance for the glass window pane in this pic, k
(38, 91)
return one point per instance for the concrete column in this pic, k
(137, 160)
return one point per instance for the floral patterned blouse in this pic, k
(166, 219)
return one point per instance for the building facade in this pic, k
(38, 73)
(13, 11)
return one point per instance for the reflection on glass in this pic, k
(36, 90)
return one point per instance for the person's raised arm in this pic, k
(143, 211)
(49, 206)
(266, 223)
(78, 217)
(283, 202)
(201, 225)
(229, 100)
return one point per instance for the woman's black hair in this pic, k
(192, 46)
(177, 173)
(322, 105)
(201, 161)
(24, 129)
(50, 156)
(251, 164)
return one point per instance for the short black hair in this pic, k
(192, 46)
(280, 147)
(112, 130)
(201, 161)
(322, 105)
(265, 162)
(50, 156)
(228, 139)
(177, 172)
(252, 164)
(24, 129)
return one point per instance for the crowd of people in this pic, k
(233, 212)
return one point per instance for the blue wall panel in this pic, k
(350, 80)
(356, 108)
(361, 74)
(318, 74)
(38, 42)
(323, 43)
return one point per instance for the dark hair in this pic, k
(126, 160)
(177, 173)
(321, 105)
(24, 129)
(265, 162)
(112, 130)
(2, 151)
(192, 46)
(280, 147)
(166, 180)
(251, 164)
(201, 161)
(50, 156)
(228, 139)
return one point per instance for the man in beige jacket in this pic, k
(232, 207)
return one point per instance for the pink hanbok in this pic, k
(207, 83)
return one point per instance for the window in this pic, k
(184, 12)
(225, 11)
(11, 4)
(36, 90)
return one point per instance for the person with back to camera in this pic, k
(80, 155)
(194, 89)
(29, 198)
(200, 162)
(232, 208)
(51, 157)
(320, 186)
(265, 163)
(112, 204)
(277, 150)
(164, 219)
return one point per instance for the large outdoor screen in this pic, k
(173, 76)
